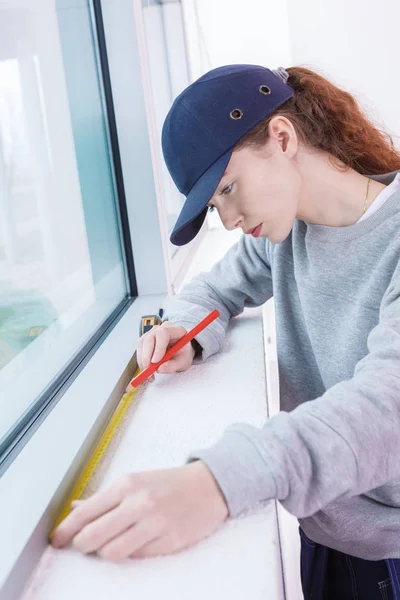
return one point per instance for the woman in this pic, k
(290, 159)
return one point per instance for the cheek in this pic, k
(284, 197)
(268, 195)
(249, 200)
(280, 212)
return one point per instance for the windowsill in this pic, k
(175, 415)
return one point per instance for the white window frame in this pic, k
(177, 260)
(32, 488)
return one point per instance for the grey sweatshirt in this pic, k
(332, 455)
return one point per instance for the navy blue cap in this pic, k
(202, 127)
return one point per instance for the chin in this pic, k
(277, 237)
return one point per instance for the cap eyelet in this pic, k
(236, 114)
(264, 89)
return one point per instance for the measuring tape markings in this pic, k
(96, 455)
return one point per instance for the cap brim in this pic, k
(194, 211)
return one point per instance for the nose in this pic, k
(231, 222)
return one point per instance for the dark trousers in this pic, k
(327, 574)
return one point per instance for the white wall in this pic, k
(236, 31)
(356, 45)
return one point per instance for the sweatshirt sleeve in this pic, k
(344, 443)
(241, 278)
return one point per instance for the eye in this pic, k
(211, 208)
(227, 190)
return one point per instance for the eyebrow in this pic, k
(226, 173)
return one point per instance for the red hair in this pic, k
(329, 119)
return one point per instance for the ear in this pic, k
(282, 131)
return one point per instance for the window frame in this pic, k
(176, 265)
(14, 440)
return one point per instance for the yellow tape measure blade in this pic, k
(96, 456)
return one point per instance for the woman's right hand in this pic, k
(153, 345)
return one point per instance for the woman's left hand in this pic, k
(146, 514)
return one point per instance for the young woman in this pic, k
(290, 159)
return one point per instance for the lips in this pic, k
(255, 231)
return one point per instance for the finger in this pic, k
(175, 331)
(139, 351)
(170, 334)
(162, 341)
(109, 525)
(160, 546)
(83, 514)
(149, 343)
(179, 361)
(132, 540)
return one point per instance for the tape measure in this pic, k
(107, 435)
(149, 321)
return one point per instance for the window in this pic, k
(68, 232)
(65, 273)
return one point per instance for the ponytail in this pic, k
(328, 118)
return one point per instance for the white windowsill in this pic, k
(245, 557)
(176, 414)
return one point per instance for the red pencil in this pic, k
(152, 368)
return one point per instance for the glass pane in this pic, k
(62, 269)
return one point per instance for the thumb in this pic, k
(166, 336)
